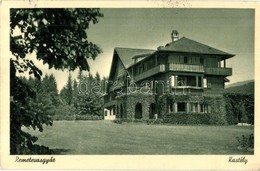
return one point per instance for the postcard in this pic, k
(129, 85)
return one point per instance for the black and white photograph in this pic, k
(103, 81)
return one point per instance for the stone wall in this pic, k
(130, 101)
(125, 108)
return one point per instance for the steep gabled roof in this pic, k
(126, 54)
(187, 45)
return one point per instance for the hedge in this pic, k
(186, 118)
(77, 117)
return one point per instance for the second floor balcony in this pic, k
(218, 71)
(183, 68)
(155, 70)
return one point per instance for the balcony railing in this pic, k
(218, 71)
(186, 68)
(150, 72)
(183, 68)
(186, 90)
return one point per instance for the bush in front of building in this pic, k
(217, 116)
(147, 121)
(186, 118)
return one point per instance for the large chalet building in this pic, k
(183, 77)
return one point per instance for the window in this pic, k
(181, 107)
(194, 107)
(202, 61)
(140, 69)
(199, 81)
(170, 107)
(193, 60)
(144, 66)
(204, 108)
(184, 81)
(191, 81)
(185, 59)
(181, 81)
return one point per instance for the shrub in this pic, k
(76, 117)
(239, 108)
(64, 109)
(218, 111)
(184, 118)
(148, 121)
(246, 142)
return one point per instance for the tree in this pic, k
(59, 38)
(75, 93)
(80, 75)
(104, 85)
(97, 77)
(67, 92)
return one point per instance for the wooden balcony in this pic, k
(150, 72)
(183, 68)
(186, 68)
(186, 90)
(218, 71)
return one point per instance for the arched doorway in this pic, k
(121, 111)
(152, 111)
(138, 111)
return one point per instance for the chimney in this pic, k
(175, 35)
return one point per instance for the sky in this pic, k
(229, 30)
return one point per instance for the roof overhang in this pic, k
(211, 54)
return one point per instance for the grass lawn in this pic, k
(106, 137)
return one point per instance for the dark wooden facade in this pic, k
(197, 70)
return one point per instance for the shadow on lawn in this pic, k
(58, 151)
